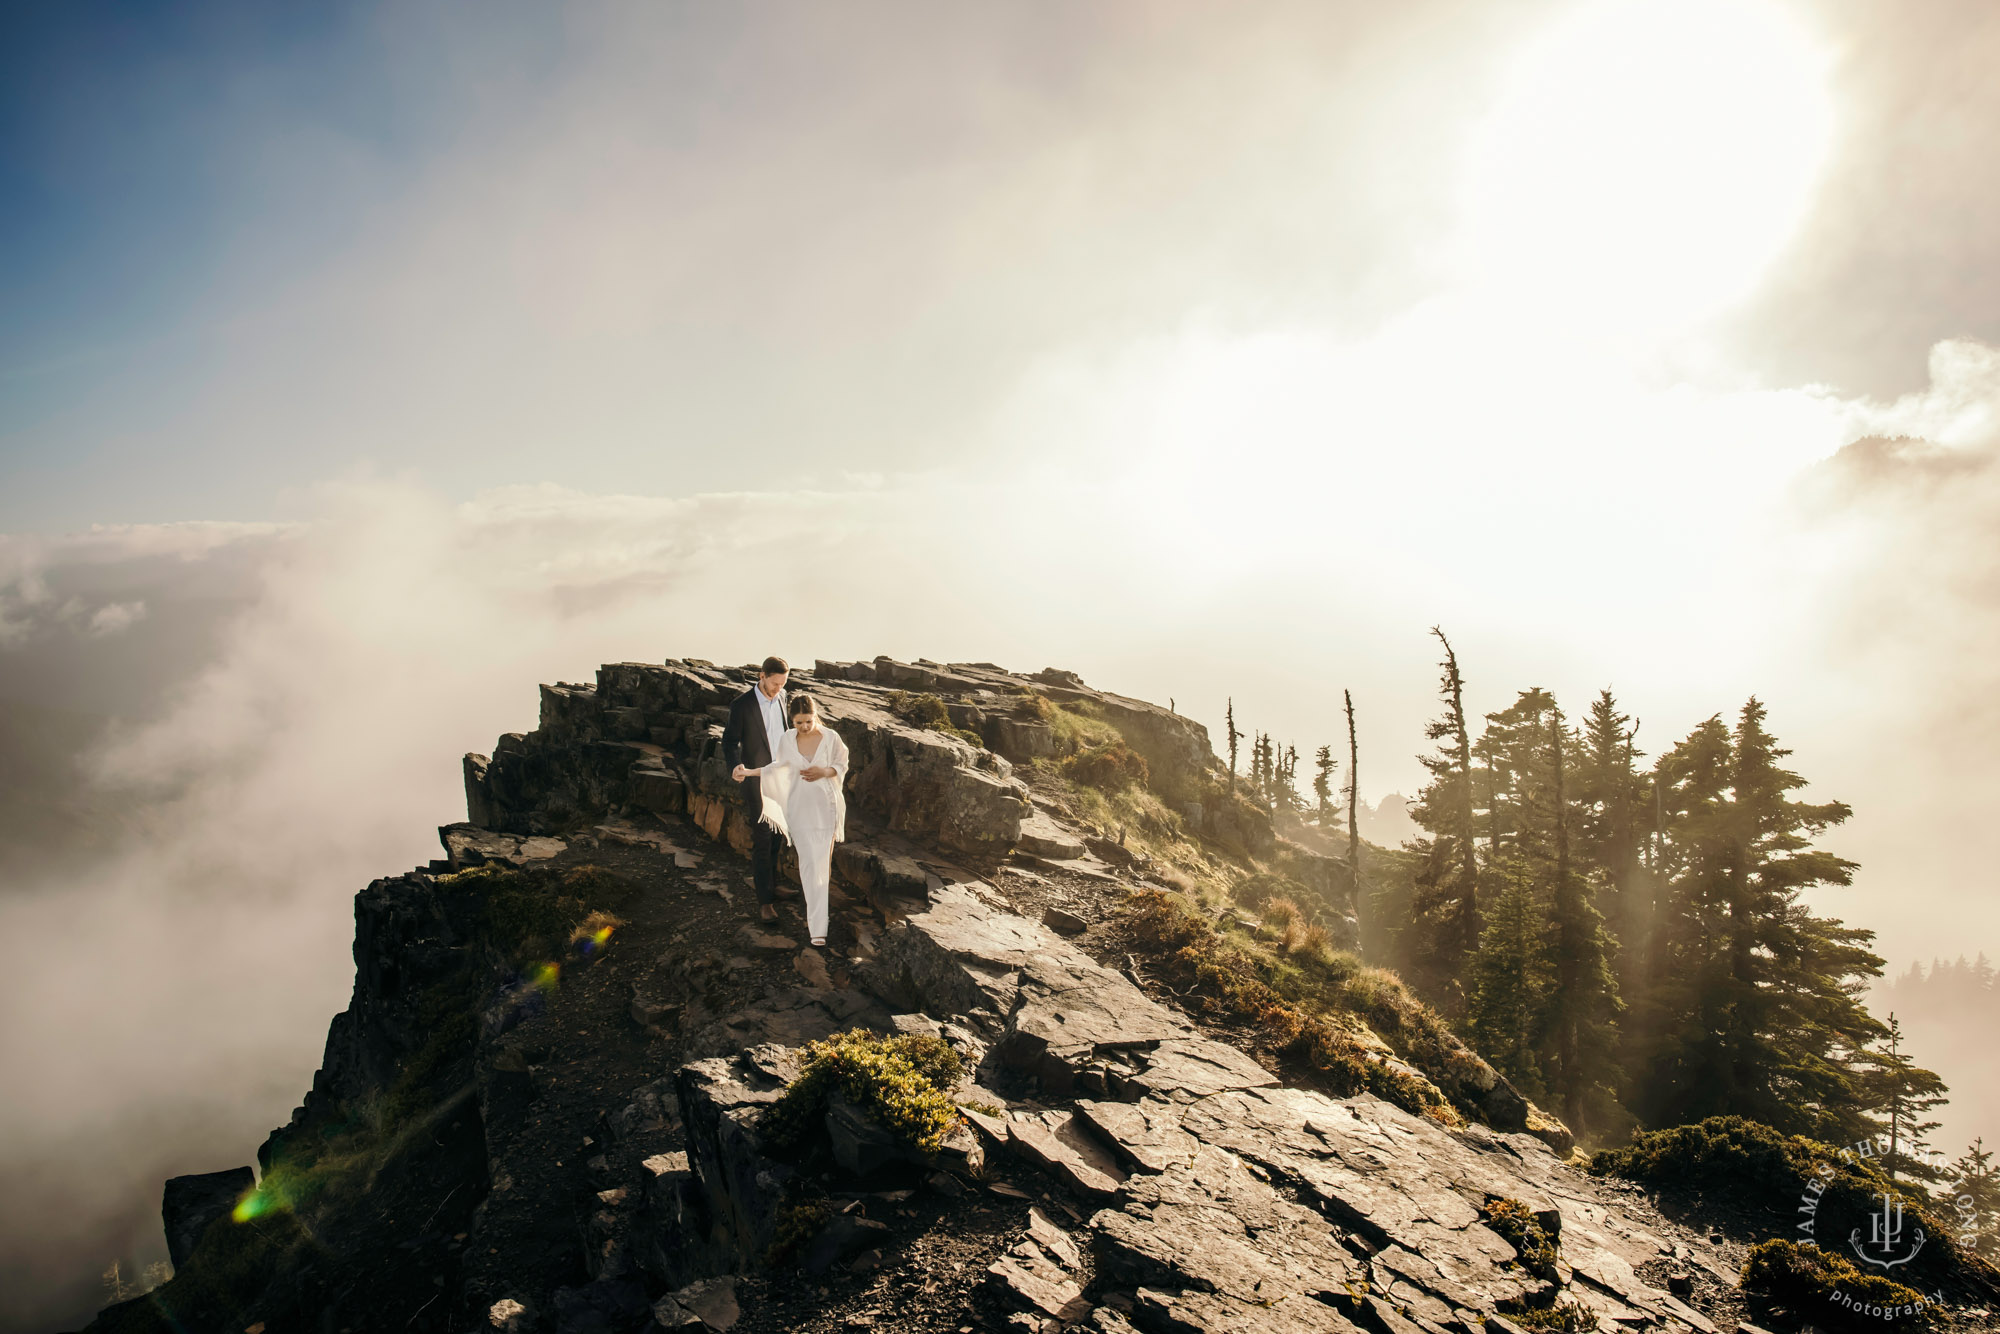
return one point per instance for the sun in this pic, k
(1648, 159)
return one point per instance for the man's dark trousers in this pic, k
(745, 742)
(763, 842)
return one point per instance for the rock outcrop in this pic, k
(651, 736)
(576, 1142)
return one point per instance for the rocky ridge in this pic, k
(585, 1155)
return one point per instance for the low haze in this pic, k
(358, 372)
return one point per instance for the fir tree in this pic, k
(1323, 767)
(1616, 813)
(1582, 995)
(1908, 1092)
(1510, 980)
(1445, 902)
(1975, 1198)
(1753, 1001)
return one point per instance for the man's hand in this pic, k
(739, 773)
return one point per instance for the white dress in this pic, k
(811, 814)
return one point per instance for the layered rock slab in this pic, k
(1209, 1226)
(1050, 1007)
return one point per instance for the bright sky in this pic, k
(1245, 340)
(361, 365)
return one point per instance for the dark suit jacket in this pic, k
(743, 739)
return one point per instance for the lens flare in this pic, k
(261, 1199)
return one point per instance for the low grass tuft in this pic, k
(1221, 977)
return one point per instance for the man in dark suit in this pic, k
(749, 740)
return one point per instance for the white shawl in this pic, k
(780, 779)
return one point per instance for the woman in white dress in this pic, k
(804, 800)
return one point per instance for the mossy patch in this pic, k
(901, 1081)
(1817, 1285)
(929, 712)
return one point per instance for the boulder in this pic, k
(657, 789)
(1063, 922)
(1041, 836)
(859, 1145)
(722, 1099)
(191, 1203)
(708, 1304)
(1020, 739)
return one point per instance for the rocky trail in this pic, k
(592, 1160)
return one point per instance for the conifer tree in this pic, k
(1753, 1000)
(1616, 810)
(1445, 903)
(1582, 995)
(1323, 767)
(1909, 1093)
(1510, 980)
(1975, 1198)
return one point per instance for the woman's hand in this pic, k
(739, 773)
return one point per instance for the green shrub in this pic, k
(902, 1082)
(1813, 1284)
(1515, 1222)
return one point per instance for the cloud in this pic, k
(35, 601)
(112, 617)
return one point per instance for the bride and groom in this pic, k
(791, 779)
